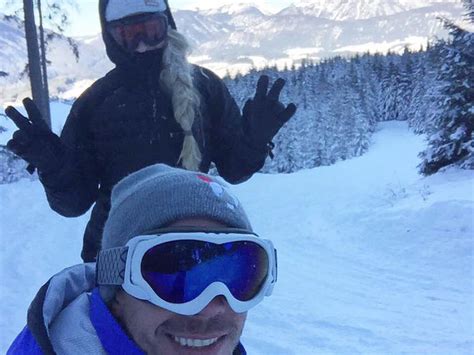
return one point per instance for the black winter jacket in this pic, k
(125, 122)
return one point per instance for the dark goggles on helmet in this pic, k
(183, 271)
(128, 32)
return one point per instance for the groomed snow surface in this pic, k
(373, 258)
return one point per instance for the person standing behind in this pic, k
(179, 269)
(153, 107)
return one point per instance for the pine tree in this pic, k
(390, 89)
(453, 142)
(405, 88)
(427, 92)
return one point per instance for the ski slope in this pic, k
(373, 258)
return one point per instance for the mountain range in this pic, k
(237, 37)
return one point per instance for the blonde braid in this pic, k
(176, 79)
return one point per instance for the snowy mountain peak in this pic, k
(234, 9)
(342, 10)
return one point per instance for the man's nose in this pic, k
(217, 306)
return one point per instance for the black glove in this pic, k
(34, 142)
(264, 115)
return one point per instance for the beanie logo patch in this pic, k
(204, 178)
(218, 190)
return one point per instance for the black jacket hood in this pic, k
(118, 56)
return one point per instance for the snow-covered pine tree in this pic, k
(356, 107)
(424, 108)
(453, 142)
(390, 89)
(371, 85)
(405, 88)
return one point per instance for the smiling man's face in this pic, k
(214, 330)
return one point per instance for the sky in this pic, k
(86, 20)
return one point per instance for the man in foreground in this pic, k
(178, 270)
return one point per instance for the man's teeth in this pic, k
(195, 343)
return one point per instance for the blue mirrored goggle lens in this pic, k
(180, 271)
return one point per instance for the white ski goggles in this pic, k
(183, 271)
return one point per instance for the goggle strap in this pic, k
(275, 269)
(110, 266)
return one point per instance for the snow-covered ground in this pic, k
(374, 259)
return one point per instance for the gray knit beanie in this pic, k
(159, 195)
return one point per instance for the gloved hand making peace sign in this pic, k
(264, 115)
(34, 141)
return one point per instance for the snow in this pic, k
(199, 58)
(76, 89)
(362, 9)
(233, 8)
(251, 62)
(413, 43)
(303, 52)
(373, 258)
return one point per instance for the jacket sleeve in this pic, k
(24, 344)
(72, 188)
(235, 158)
